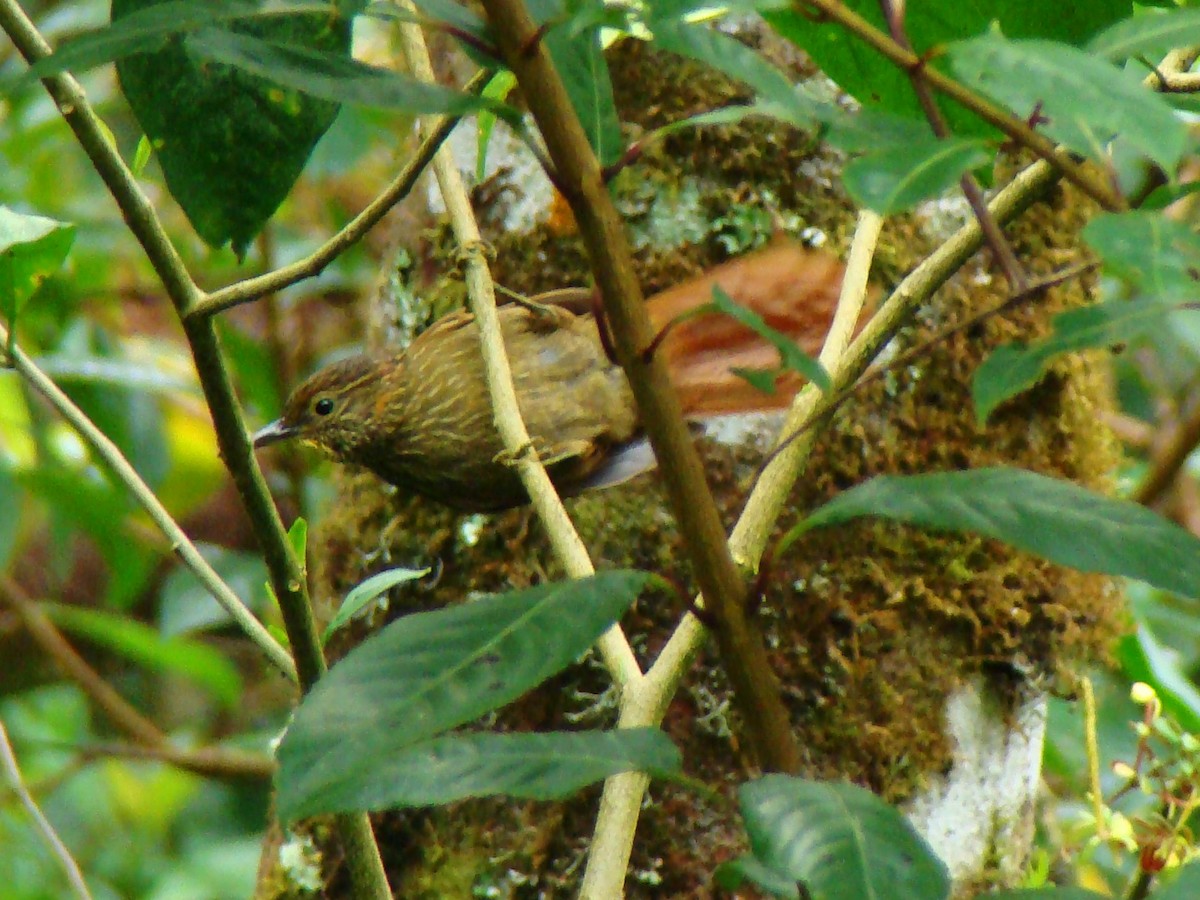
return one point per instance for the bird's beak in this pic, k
(273, 433)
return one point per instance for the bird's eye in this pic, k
(323, 407)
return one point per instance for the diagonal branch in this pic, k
(580, 179)
(568, 547)
(1082, 176)
(314, 264)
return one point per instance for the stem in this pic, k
(287, 578)
(123, 471)
(213, 762)
(568, 546)
(8, 762)
(580, 179)
(1081, 176)
(314, 264)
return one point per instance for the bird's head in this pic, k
(331, 410)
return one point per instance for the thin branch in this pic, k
(8, 761)
(893, 12)
(314, 264)
(212, 762)
(743, 654)
(1166, 463)
(287, 578)
(1081, 176)
(568, 547)
(123, 471)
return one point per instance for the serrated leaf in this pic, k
(544, 766)
(839, 840)
(790, 355)
(1049, 517)
(366, 591)
(1013, 368)
(428, 672)
(898, 176)
(1150, 34)
(1085, 102)
(144, 646)
(231, 144)
(1158, 255)
(31, 249)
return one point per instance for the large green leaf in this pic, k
(141, 644)
(1055, 519)
(1183, 884)
(1083, 101)
(428, 672)
(1158, 255)
(31, 249)
(838, 840)
(231, 144)
(930, 25)
(898, 176)
(454, 767)
(1014, 368)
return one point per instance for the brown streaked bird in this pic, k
(421, 418)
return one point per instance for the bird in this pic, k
(420, 418)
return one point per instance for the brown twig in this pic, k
(287, 578)
(209, 762)
(1018, 131)
(893, 13)
(1167, 462)
(314, 264)
(600, 226)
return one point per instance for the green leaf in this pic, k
(1048, 893)
(498, 88)
(790, 355)
(748, 868)
(231, 144)
(1144, 658)
(31, 249)
(898, 176)
(1149, 34)
(143, 30)
(428, 672)
(107, 372)
(298, 537)
(1086, 101)
(1055, 519)
(1015, 368)
(144, 646)
(1158, 255)
(839, 840)
(11, 498)
(877, 83)
(721, 51)
(332, 76)
(454, 767)
(1183, 884)
(368, 590)
(185, 605)
(579, 59)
